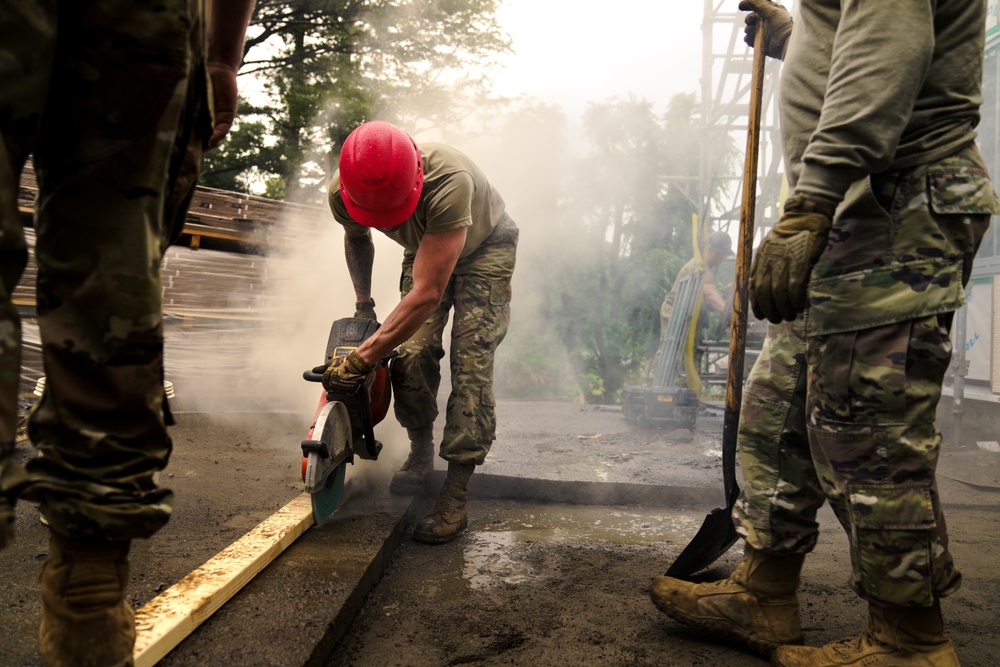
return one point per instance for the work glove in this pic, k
(345, 373)
(365, 310)
(777, 25)
(779, 277)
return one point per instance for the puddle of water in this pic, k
(583, 524)
(493, 551)
(491, 558)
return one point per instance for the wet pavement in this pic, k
(572, 515)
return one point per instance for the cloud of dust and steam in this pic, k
(527, 157)
(267, 318)
(262, 321)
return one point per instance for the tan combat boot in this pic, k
(86, 621)
(449, 517)
(893, 637)
(409, 480)
(6, 522)
(756, 606)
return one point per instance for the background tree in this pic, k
(325, 66)
(624, 230)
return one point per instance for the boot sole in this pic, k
(404, 489)
(431, 538)
(725, 630)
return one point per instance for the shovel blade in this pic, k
(715, 537)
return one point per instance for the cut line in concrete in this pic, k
(299, 607)
(584, 492)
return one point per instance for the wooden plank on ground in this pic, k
(175, 613)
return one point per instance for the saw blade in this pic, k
(326, 500)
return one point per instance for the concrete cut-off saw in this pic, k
(344, 423)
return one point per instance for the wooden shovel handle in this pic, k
(744, 244)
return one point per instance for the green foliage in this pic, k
(611, 229)
(326, 66)
(633, 207)
(242, 160)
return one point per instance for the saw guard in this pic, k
(331, 449)
(343, 425)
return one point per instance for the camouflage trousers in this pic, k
(479, 292)
(110, 98)
(846, 415)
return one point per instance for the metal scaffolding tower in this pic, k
(725, 103)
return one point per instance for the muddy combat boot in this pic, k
(893, 637)
(449, 517)
(756, 606)
(409, 481)
(6, 522)
(86, 621)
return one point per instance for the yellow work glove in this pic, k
(365, 310)
(779, 277)
(346, 373)
(777, 25)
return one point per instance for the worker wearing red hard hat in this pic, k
(459, 253)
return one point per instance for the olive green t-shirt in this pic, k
(869, 87)
(456, 194)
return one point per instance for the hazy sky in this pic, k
(573, 52)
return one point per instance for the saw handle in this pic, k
(309, 376)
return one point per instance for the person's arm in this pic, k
(360, 253)
(777, 26)
(712, 297)
(432, 267)
(881, 56)
(227, 27)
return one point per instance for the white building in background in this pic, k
(976, 332)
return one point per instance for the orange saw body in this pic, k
(343, 425)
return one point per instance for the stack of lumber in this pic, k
(213, 280)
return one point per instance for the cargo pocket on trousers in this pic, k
(488, 413)
(500, 292)
(892, 542)
(405, 283)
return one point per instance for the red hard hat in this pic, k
(381, 174)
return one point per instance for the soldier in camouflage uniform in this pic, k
(460, 248)
(110, 98)
(889, 202)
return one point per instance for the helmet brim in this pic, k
(382, 219)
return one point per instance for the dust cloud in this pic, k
(263, 332)
(273, 322)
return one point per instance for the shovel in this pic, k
(717, 533)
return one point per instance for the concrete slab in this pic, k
(231, 471)
(298, 609)
(301, 605)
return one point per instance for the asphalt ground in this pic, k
(572, 515)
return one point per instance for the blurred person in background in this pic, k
(719, 248)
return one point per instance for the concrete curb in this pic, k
(299, 607)
(585, 493)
